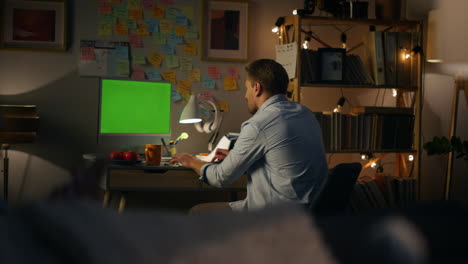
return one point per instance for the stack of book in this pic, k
(367, 129)
(383, 192)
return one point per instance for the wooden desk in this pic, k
(132, 178)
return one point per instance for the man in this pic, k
(280, 147)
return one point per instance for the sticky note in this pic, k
(134, 3)
(173, 39)
(121, 11)
(184, 87)
(194, 75)
(213, 72)
(169, 76)
(105, 8)
(230, 84)
(121, 52)
(159, 38)
(135, 40)
(131, 23)
(175, 95)
(152, 25)
(185, 64)
(180, 30)
(153, 75)
(148, 4)
(187, 11)
(223, 106)
(181, 19)
(165, 26)
(171, 12)
(121, 28)
(87, 54)
(167, 49)
(155, 58)
(135, 13)
(109, 18)
(105, 29)
(141, 28)
(232, 72)
(138, 74)
(115, 1)
(191, 33)
(190, 48)
(206, 95)
(167, 2)
(138, 57)
(157, 11)
(208, 82)
(122, 68)
(171, 61)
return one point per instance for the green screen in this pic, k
(135, 107)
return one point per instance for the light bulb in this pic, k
(294, 12)
(373, 165)
(275, 29)
(336, 110)
(305, 45)
(363, 156)
(394, 92)
(407, 56)
(410, 157)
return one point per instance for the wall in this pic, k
(437, 104)
(67, 103)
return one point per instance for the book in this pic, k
(390, 57)
(404, 64)
(377, 56)
(381, 110)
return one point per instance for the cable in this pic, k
(377, 97)
(383, 96)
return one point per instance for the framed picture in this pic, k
(332, 63)
(33, 25)
(225, 30)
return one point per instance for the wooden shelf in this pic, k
(334, 85)
(306, 20)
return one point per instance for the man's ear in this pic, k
(258, 89)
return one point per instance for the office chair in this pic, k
(335, 192)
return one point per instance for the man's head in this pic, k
(265, 78)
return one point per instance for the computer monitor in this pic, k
(133, 113)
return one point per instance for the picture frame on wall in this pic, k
(37, 25)
(225, 30)
(332, 64)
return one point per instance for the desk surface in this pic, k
(143, 166)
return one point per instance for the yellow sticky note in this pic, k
(165, 26)
(184, 87)
(190, 48)
(105, 29)
(194, 75)
(158, 11)
(230, 84)
(188, 11)
(180, 30)
(155, 58)
(123, 68)
(223, 106)
(142, 28)
(169, 76)
(185, 64)
(135, 13)
(121, 28)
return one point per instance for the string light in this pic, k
(410, 157)
(363, 156)
(305, 45)
(394, 92)
(340, 104)
(275, 29)
(374, 164)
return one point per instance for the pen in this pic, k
(165, 146)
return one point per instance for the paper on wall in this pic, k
(286, 55)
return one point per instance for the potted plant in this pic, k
(441, 145)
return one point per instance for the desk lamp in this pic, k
(18, 124)
(191, 115)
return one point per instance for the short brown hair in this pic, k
(270, 74)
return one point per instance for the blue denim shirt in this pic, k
(281, 150)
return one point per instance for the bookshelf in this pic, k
(403, 73)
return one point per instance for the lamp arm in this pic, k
(216, 114)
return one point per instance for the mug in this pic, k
(153, 154)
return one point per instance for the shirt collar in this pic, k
(274, 99)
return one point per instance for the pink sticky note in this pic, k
(213, 72)
(232, 72)
(135, 40)
(138, 74)
(105, 8)
(87, 54)
(148, 4)
(207, 95)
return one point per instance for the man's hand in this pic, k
(188, 161)
(220, 154)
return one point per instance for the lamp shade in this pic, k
(191, 112)
(18, 123)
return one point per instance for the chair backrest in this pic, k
(335, 192)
